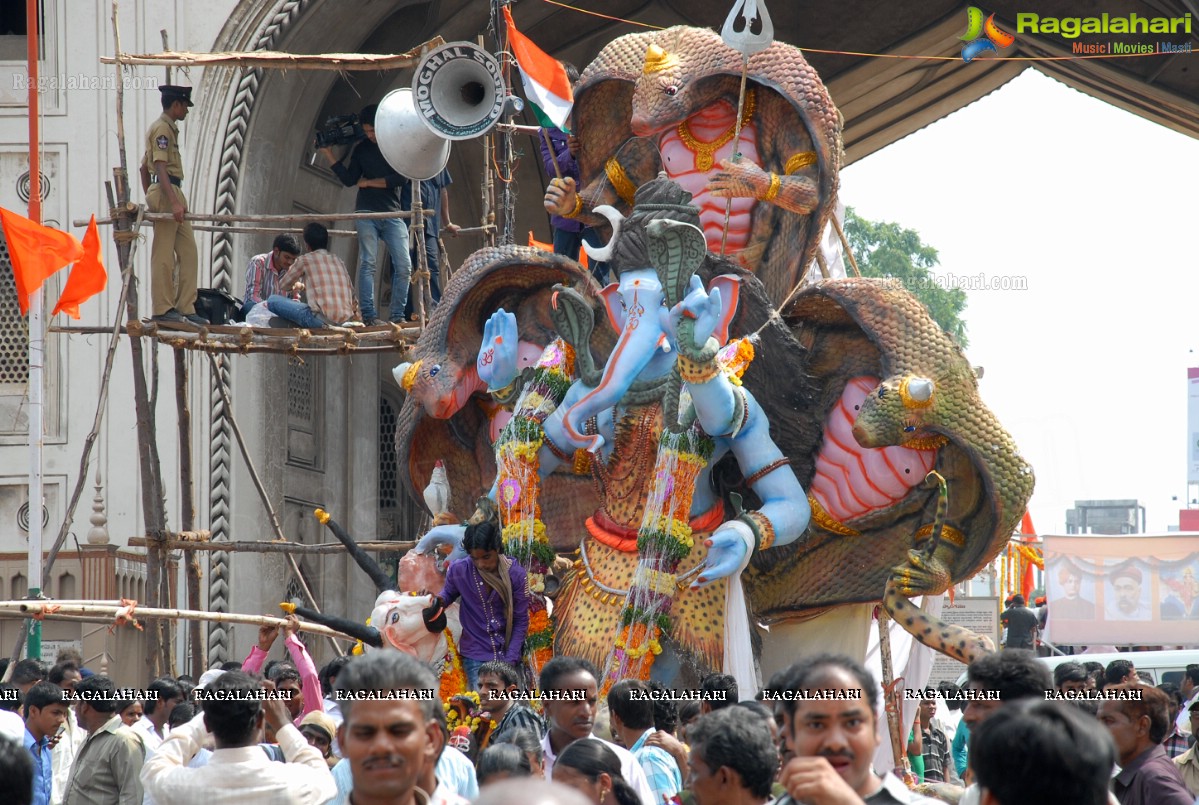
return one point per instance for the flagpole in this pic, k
(36, 337)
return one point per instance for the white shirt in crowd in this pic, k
(237, 776)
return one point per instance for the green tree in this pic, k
(888, 250)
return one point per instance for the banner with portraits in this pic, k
(1122, 590)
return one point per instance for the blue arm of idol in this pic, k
(784, 502)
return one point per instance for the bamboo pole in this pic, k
(28, 608)
(153, 511)
(250, 546)
(416, 238)
(892, 704)
(259, 219)
(187, 514)
(266, 500)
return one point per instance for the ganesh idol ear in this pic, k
(729, 286)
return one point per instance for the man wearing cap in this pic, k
(173, 297)
(319, 730)
(1127, 605)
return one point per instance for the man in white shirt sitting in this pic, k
(239, 771)
(570, 715)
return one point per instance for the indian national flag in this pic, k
(547, 88)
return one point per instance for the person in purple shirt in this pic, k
(494, 595)
(560, 162)
(1147, 775)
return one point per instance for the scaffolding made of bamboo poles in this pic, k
(250, 218)
(264, 546)
(51, 609)
(245, 339)
(276, 60)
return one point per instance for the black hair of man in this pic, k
(232, 665)
(1042, 753)
(1093, 666)
(688, 711)
(666, 712)
(381, 671)
(232, 713)
(505, 672)
(59, 672)
(283, 672)
(316, 236)
(4, 662)
(183, 713)
(269, 668)
(721, 689)
(330, 671)
(727, 738)
(572, 72)
(16, 773)
(1117, 671)
(27, 671)
(559, 667)
(1018, 600)
(1172, 692)
(367, 116)
(502, 758)
(628, 699)
(288, 243)
(591, 758)
(1013, 673)
(1192, 673)
(1152, 703)
(101, 690)
(1068, 672)
(167, 689)
(812, 672)
(759, 709)
(484, 536)
(11, 698)
(42, 695)
(525, 740)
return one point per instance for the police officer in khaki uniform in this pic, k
(173, 295)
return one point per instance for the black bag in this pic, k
(218, 307)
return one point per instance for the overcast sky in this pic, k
(1096, 207)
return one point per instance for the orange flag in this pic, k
(88, 276)
(37, 252)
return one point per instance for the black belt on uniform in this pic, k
(174, 181)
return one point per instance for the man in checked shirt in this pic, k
(327, 283)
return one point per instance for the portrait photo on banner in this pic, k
(1179, 590)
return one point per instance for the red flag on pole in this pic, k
(37, 252)
(88, 276)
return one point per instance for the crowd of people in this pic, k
(371, 730)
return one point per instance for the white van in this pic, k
(1153, 667)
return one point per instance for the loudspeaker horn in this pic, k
(408, 145)
(459, 91)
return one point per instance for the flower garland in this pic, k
(453, 675)
(663, 541)
(518, 488)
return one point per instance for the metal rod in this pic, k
(251, 546)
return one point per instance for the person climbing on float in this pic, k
(494, 601)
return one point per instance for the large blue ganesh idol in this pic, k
(649, 587)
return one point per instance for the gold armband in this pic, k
(772, 192)
(578, 208)
(620, 181)
(798, 161)
(694, 373)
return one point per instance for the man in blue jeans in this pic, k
(324, 279)
(378, 191)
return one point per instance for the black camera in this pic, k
(342, 130)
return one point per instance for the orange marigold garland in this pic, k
(518, 489)
(663, 541)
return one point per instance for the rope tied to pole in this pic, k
(47, 609)
(124, 616)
